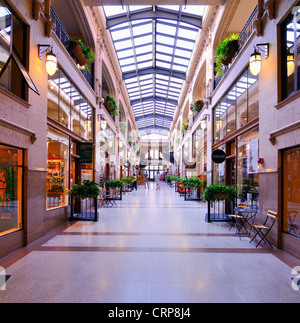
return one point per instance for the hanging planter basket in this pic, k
(108, 105)
(77, 54)
(233, 47)
(190, 165)
(199, 104)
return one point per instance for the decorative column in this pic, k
(270, 8)
(50, 25)
(98, 88)
(258, 23)
(37, 8)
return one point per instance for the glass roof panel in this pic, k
(150, 46)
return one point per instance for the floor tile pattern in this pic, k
(154, 247)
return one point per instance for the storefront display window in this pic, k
(11, 188)
(238, 107)
(68, 106)
(290, 53)
(248, 167)
(57, 168)
(13, 44)
(291, 191)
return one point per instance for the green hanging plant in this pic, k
(225, 52)
(111, 105)
(184, 127)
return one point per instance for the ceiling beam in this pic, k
(154, 99)
(149, 116)
(154, 127)
(154, 70)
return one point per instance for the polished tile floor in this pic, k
(154, 247)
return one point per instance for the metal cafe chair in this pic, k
(262, 230)
(239, 220)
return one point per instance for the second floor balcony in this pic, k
(244, 36)
(65, 39)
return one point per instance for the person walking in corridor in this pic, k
(157, 180)
(134, 185)
(146, 180)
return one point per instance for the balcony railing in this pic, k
(243, 38)
(64, 38)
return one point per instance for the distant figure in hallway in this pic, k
(157, 180)
(146, 180)
(161, 177)
(134, 185)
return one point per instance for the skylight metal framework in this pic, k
(154, 45)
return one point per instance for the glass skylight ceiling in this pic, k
(154, 45)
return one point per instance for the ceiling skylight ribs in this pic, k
(154, 45)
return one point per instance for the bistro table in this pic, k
(245, 216)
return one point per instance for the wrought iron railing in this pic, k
(64, 38)
(242, 40)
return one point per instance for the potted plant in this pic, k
(215, 193)
(184, 127)
(115, 184)
(226, 51)
(197, 105)
(88, 189)
(82, 54)
(111, 105)
(193, 182)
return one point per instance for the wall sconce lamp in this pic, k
(103, 122)
(255, 58)
(51, 60)
(203, 122)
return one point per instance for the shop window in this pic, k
(291, 191)
(242, 100)
(11, 188)
(57, 168)
(239, 106)
(13, 49)
(68, 106)
(248, 167)
(290, 53)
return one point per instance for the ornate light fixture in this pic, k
(51, 60)
(103, 124)
(203, 124)
(255, 58)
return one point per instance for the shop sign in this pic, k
(218, 156)
(127, 164)
(86, 153)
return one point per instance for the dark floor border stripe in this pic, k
(148, 234)
(154, 249)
